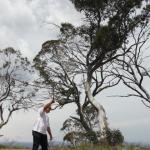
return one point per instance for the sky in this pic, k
(25, 25)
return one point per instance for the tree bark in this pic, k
(101, 114)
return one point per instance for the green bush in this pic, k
(114, 137)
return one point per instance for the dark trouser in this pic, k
(39, 139)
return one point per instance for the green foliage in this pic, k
(92, 136)
(89, 5)
(119, 19)
(67, 30)
(114, 137)
(107, 39)
(78, 138)
(95, 5)
(50, 46)
(75, 138)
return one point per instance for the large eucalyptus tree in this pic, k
(77, 65)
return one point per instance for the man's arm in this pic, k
(49, 132)
(48, 105)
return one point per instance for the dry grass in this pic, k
(90, 147)
(102, 147)
(12, 149)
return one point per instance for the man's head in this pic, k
(47, 110)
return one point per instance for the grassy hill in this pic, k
(6, 147)
(86, 147)
(102, 147)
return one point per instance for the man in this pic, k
(41, 127)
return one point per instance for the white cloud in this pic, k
(56, 11)
(17, 16)
(25, 48)
(22, 22)
(17, 22)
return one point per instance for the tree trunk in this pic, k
(101, 115)
(91, 136)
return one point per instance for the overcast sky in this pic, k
(23, 26)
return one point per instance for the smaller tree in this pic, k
(15, 90)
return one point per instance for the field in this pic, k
(12, 149)
(89, 147)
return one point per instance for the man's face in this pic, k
(48, 110)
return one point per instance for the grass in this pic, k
(4, 147)
(102, 147)
(86, 147)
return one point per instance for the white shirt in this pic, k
(42, 122)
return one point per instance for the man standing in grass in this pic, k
(41, 127)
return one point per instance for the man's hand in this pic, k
(51, 138)
(48, 105)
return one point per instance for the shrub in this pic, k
(114, 137)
